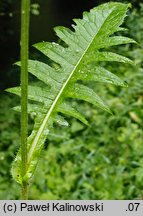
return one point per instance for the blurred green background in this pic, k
(103, 161)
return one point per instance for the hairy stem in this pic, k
(25, 8)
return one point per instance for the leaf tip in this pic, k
(129, 5)
(18, 63)
(8, 90)
(87, 123)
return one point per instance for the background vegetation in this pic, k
(103, 161)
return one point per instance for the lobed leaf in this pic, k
(78, 60)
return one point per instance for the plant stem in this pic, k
(25, 16)
(24, 191)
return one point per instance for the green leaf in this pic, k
(35, 93)
(67, 109)
(113, 41)
(79, 59)
(99, 74)
(84, 93)
(107, 56)
(61, 121)
(45, 73)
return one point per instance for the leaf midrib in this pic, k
(42, 127)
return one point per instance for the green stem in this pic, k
(25, 8)
(24, 191)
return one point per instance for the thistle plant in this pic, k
(78, 61)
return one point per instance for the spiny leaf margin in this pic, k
(90, 35)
